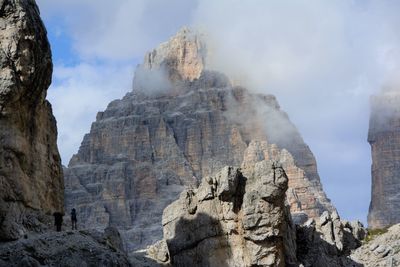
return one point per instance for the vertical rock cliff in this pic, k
(180, 123)
(384, 137)
(31, 182)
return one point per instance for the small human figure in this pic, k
(73, 219)
(58, 220)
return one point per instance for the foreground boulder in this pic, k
(240, 217)
(83, 248)
(231, 219)
(30, 167)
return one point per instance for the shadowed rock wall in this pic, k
(384, 138)
(31, 181)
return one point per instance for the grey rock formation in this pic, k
(381, 251)
(231, 219)
(328, 241)
(83, 248)
(383, 135)
(240, 219)
(30, 167)
(181, 123)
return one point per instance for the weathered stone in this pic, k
(159, 251)
(181, 58)
(31, 182)
(328, 242)
(83, 248)
(384, 137)
(383, 250)
(244, 228)
(146, 148)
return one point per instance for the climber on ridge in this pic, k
(73, 219)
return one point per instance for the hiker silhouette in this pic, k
(73, 219)
(58, 220)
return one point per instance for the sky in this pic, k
(321, 59)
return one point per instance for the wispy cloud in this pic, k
(78, 93)
(322, 59)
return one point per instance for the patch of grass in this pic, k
(373, 233)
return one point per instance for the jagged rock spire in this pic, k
(182, 58)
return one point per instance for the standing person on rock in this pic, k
(73, 219)
(58, 220)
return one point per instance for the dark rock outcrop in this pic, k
(181, 123)
(31, 182)
(83, 248)
(328, 241)
(383, 135)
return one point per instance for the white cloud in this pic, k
(322, 59)
(118, 30)
(78, 93)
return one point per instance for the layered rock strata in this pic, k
(180, 123)
(384, 138)
(30, 167)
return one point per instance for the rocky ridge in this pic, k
(383, 136)
(144, 149)
(231, 219)
(71, 248)
(382, 251)
(239, 217)
(30, 167)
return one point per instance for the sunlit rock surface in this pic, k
(31, 182)
(231, 219)
(238, 217)
(180, 123)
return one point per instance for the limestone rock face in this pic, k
(83, 248)
(231, 219)
(144, 149)
(383, 135)
(381, 251)
(305, 197)
(30, 167)
(328, 241)
(182, 57)
(238, 217)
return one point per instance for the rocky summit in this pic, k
(31, 180)
(181, 122)
(383, 135)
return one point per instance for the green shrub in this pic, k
(372, 233)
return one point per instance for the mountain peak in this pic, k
(182, 57)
